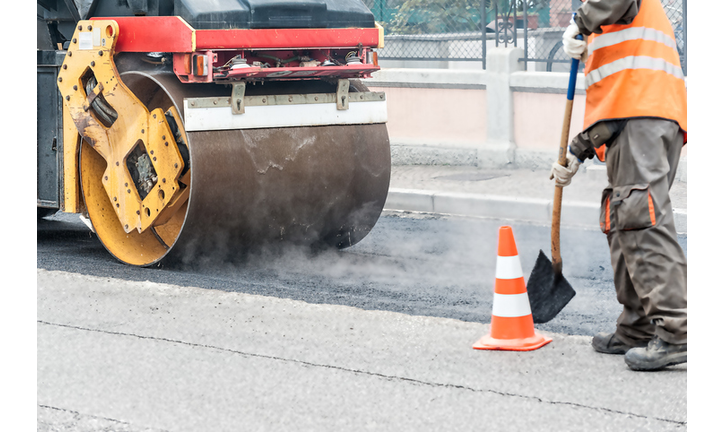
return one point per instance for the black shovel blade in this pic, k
(549, 292)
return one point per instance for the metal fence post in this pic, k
(526, 32)
(483, 32)
(684, 36)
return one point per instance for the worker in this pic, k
(636, 122)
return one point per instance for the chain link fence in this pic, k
(463, 30)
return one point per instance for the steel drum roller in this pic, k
(315, 185)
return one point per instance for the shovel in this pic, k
(548, 290)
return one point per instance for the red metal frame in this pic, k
(300, 72)
(287, 38)
(174, 35)
(153, 34)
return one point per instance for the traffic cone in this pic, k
(512, 325)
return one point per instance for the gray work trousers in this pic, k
(650, 267)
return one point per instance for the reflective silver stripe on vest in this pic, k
(633, 33)
(632, 62)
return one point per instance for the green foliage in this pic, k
(448, 16)
(436, 16)
(533, 5)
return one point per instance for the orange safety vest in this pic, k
(634, 70)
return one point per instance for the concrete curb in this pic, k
(578, 214)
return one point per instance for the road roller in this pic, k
(189, 129)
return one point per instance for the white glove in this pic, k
(563, 174)
(574, 48)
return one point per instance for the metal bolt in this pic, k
(67, 98)
(142, 130)
(100, 53)
(93, 63)
(154, 158)
(264, 100)
(163, 137)
(74, 40)
(70, 53)
(60, 79)
(167, 144)
(289, 98)
(176, 165)
(126, 184)
(129, 190)
(90, 27)
(126, 226)
(65, 66)
(106, 177)
(154, 115)
(152, 152)
(115, 199)
(118, 205)
(116, 163)
(138, 212)
(80, 27)
(163, 180)
(75, 87)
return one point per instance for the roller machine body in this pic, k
(187, 130)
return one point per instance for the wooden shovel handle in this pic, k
(563, 145)
(558, 192)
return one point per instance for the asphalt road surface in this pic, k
(374, 337)
(410, 263)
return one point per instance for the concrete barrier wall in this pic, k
(496, 118)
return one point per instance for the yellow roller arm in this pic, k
(117, 125)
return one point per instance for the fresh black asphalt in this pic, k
(415, 264)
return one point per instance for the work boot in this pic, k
(609, 343)
(657, 355)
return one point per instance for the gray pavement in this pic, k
(142, 356)
(517, 194)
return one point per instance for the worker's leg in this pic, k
(633, 325)
(641, 166)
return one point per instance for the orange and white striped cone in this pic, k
(512, 325)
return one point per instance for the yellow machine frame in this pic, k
(91, 54)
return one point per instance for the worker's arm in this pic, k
(583, 147)
(593, 14)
